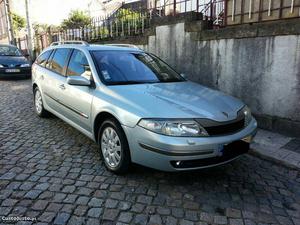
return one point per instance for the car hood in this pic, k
(177, 100)
(13, 60)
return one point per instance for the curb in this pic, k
(283, 157)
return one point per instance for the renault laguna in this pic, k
(138, 109)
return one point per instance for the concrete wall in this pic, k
(263, 71)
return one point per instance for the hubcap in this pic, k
(38, 101)
(111, 147)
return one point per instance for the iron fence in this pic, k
(134, 21)
(229, 12)
(119, 24)
(252, 11)
(211, 9)
(126, 22)
(22, 44)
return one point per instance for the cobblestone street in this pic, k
(51, 172)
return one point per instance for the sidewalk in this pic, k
(276, 147)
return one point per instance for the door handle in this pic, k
(42, 77)
(62, 87)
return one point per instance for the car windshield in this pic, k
(9, 51)
(121, 67)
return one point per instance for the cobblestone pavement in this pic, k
(51, 172)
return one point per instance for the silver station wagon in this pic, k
(138, 109)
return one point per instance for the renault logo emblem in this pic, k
(225, 114)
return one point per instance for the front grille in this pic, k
(230, 151)
(227, 128)
(216, 128)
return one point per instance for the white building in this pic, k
(102, 8)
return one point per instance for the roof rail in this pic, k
(124, 45)
(69, 42)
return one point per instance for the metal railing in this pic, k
(252, 11)
(119, 24)
(134, 21)
(211, 9)
(229, 12)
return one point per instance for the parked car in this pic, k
(138, 109)
(13, 63)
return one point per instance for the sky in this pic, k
(49, 11)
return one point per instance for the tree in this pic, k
(19, 22)
(76, 19)
(129, 18)
(127, 14)
(40, 28)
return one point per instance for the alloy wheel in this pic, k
(111, 147)
(38, 102)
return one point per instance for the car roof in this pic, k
(112, 47)
(94, 47)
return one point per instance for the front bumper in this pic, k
(164, 152)
(23, 72)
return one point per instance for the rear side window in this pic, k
(78, 64)
(59, 60)
(42, 59)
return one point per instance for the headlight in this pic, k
(25, 65)
(1, 66)
(247, 113)
(179, 128)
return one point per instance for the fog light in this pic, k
(178, 163)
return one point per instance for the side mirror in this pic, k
(78, 81)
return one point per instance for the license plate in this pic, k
(12, 70)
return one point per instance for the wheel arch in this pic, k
(99, 119)
(34, 86)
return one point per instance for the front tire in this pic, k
(38, 104)
(114, 147)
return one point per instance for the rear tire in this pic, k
(114, 147)
(38, 104)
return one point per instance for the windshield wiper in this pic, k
(131, 82)
(170, 81)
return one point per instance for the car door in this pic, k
(78, 99)
(54, 80)
(39, 72)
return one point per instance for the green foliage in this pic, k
(19, 22)
(127, 18)
(76, 19)
(40, 28)
(103, 32)
(127, 14)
